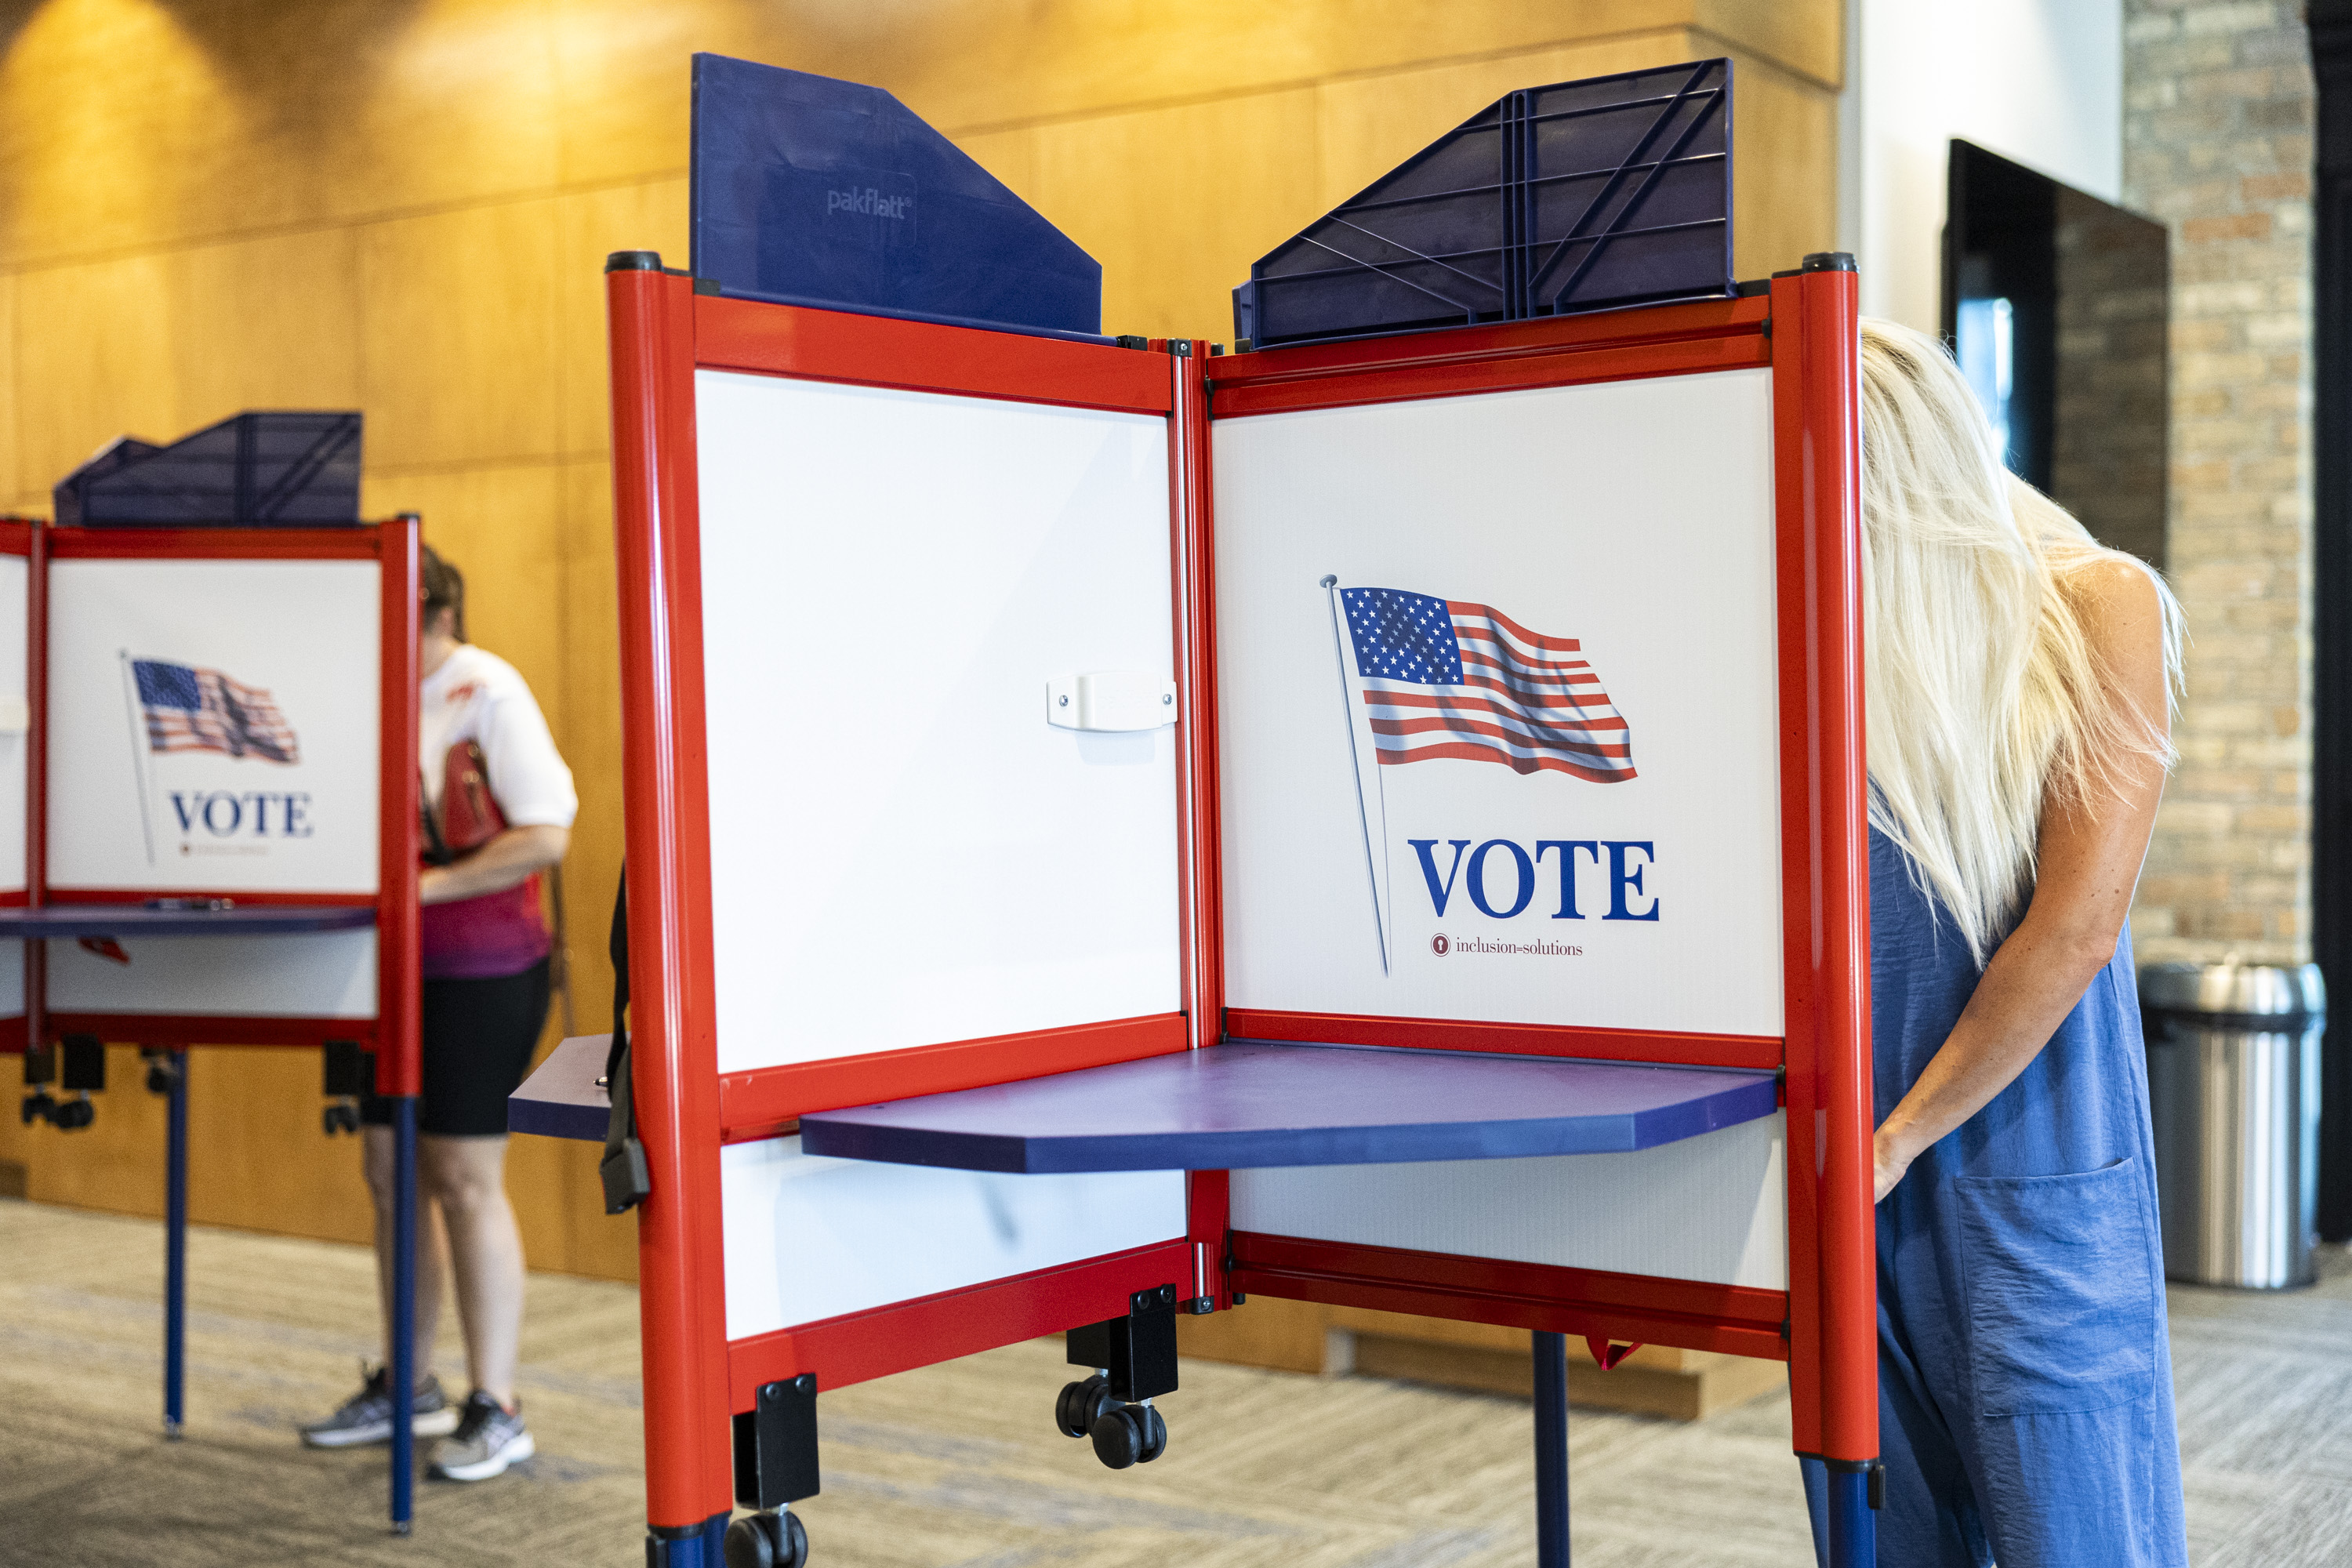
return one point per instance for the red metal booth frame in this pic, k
(1803, 331)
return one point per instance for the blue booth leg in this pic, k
(1854, 1526)
(175, 1246)
(689, 1546)
(1551, 1450)
(404, 1308)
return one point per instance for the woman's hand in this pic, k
(1892, 1160)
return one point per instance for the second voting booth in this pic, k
(1116, 829)
(214, 765)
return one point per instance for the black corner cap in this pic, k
(706, 285)
(1130, 341)
(634, 261)
(1751, 287)
(1827, 262)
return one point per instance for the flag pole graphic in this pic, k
(140, 760)
(1355, 754)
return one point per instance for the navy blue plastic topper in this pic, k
(295, 469)
(1583, 195)
(817, 192)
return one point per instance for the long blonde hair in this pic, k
(1985, 699)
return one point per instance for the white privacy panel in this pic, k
(1712, 1208)
(313, 975)
(1578, 579)
(810, 1238)
(213, 725)
(15, 717)
(904, 850)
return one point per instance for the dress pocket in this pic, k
(2059, 1275)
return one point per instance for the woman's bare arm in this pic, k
(496, 865)
(2090, 856)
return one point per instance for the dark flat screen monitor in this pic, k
(2055, 303)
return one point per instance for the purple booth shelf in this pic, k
(1252, 1104)
(562, 1098)
(64, 922)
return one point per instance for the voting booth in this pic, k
(1115, 829)
(213, 761)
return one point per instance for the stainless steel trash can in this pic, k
(2233, 1081)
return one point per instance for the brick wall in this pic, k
(2217, 113)
(2108, 457)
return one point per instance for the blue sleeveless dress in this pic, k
(2025, 1382)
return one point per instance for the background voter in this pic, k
(501, 803)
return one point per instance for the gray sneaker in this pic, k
(366, 1417)
(486, 1441)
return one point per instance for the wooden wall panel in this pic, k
(500, 527)
(8, 462)
(271, 322)
(406, 208)
(133, 123)
(1240, 170)
(590, 225)
(257, 1156)
(458, 334)
(97, 368)
(1783, 163)
(591, 673)
(117, 1163)
(1808, 39)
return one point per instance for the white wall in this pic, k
(2039, 81)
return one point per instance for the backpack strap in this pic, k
(628, 1181)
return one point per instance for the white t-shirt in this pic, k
(478, 696)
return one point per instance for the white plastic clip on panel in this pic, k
(1110, 700)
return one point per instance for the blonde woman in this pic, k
(2020, 679)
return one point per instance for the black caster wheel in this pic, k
(72, 1115)
(1076, 1411)
(1128, 1434)
(766, 1540)
(340, 1118)
(159, 1079)
(1155, 1436)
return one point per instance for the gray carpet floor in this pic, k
(956, 1465)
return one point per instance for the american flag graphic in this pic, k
(192, 710)
(1444, 679)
